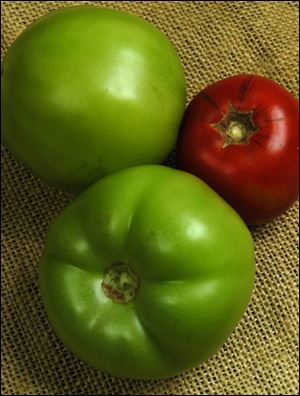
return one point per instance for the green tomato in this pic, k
(87, 91)
(146, 273)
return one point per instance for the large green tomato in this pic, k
(87, 91)
(147, 272)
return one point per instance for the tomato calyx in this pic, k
(120, 284)
(236, 127)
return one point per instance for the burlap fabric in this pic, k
(214, 40)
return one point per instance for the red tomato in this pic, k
(240, 135)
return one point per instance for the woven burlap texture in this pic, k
(214, 40)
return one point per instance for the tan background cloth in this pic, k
(214, 40)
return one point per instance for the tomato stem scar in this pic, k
(236, 127)
(120, 284)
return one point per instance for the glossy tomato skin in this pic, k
(87, 91)
(258, 178)
(192, 254)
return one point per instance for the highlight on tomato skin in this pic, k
(240, 135)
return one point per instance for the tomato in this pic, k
(240, 135)
(87, 91)
(147, 272)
